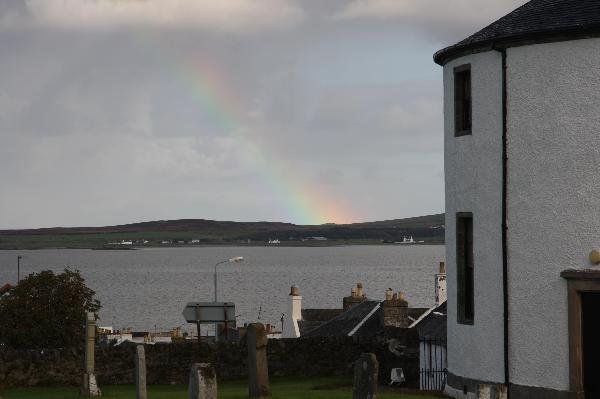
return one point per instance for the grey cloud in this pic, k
(115, 125)
(232, 16)
(446, 21)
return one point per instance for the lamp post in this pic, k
(19, 268)
(230, 260)
(235, 259)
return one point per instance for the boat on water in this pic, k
(408, 240)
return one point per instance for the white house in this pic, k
(433, 359)
(522, 172)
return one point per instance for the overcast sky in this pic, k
(116, 111)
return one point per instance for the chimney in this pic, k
(388, 294)
(395, 310)
(440, 285)
(359, 290)
(293, 315)
(357, 295)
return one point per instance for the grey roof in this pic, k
(434, 324)
(415, 313)
(320, 314)
(537, 21)
(345, 322)
(313, 318)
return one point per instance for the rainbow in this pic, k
(302, 203)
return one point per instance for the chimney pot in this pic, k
(295, 291)
(388, 294)
(359, 290)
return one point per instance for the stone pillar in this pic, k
(90, 386)
(140, 372)
(203, 382)
(258, 372)
(366, 370)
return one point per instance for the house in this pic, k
(359, 316)
(431, 327)
(433, 358)
(5, 288)
(522, 123)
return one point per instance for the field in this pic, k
(319, 388)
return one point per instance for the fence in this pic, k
(433, 364)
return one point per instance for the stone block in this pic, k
(203, 382)
(140, 372)
(366, 370)
(258, 371)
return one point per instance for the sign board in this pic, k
(209, 312)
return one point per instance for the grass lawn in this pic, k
(283, 388)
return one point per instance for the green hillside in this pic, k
(185, 232)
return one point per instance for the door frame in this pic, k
(578, 282)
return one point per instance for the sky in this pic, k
(313, 111)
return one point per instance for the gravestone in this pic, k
(90, 386)
(203, 382)
(140, 372)
(366, 369)
(258, 371)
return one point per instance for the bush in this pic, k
(46, 310)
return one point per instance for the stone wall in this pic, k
(170, 363)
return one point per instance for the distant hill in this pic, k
(429, 229)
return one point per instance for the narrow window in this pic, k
(462, 100)
(464, 268)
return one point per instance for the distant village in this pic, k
(271, 241)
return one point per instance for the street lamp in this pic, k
(19, 268)
(230, 260)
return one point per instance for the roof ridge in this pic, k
(537, 21)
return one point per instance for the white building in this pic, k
(433, 359)
(291, 328)
(522, 165)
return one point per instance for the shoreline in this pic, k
(213, 245)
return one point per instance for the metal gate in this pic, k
(432, 364)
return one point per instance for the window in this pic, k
(462, 100)
(464, 268)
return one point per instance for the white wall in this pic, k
(293, 315)
(553, 197)
(473, 168)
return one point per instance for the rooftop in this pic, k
(537, 21)
(346, 322)
(433, 324)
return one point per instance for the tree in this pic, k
(46, 310)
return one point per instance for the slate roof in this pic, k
(537, 21)
(320, 314)
(345, 322)
(313, 318)
(434, 324)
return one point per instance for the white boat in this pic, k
(406, 240)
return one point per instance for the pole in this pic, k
(198, 328)
(215, 278)
(19, 268)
